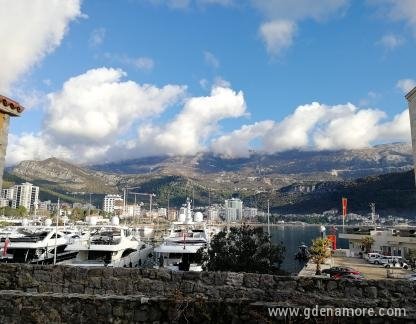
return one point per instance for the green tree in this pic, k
(242, 249)
(320, 251)
(366, 243)
(21, 211)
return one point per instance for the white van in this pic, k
(384, 259)
(372, 256)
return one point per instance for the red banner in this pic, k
(333, 239)
(344, 207)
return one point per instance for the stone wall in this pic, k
(70, 294)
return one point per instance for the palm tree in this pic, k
(320, 251)
(367, 242)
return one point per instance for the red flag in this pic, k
(344, 207)
(6, 246)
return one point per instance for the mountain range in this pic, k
(294, 181)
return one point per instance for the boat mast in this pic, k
(56, 233)
(268, 216)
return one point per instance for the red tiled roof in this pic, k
(14, 105)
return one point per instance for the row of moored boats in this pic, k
(105, 245)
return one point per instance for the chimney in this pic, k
(8, 108)
(411, 98)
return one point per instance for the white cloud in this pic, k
(405, 85)
(211, 59)
(89, 118)
(98, 105)
(391, 41)
(277, 35)
(237, 143)
(29, 31)
(352, 129)
(188, 131)
(97, 36)
(316, 127)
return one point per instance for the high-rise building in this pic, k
(26, 195)
(113, 204)
(233, 209)
(7, 193)
(411, 98)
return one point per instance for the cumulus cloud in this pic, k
(238, 142)
(90, 114)
(29, 31)
(98, 105)
(391, 41)
(316, 127)
(97, 37)
(189, 130)
(88, 120)
(405, 85)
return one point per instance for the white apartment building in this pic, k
(233, 209)
(26, 195)
(249, 212)
(133, 210)
(213, 214)
(113, 204)
(7, 193)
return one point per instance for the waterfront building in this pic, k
(26, 195)
(133, 210)
(388, 241)
(233, 209)
(162, 212)
(113, 204)
(250, 212)
(213, 214)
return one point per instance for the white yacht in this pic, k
(178, 251)
(112, 246)
(35, 245)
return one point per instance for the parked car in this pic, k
(373, 256)
(340, 271)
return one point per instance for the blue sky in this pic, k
(254, 74)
